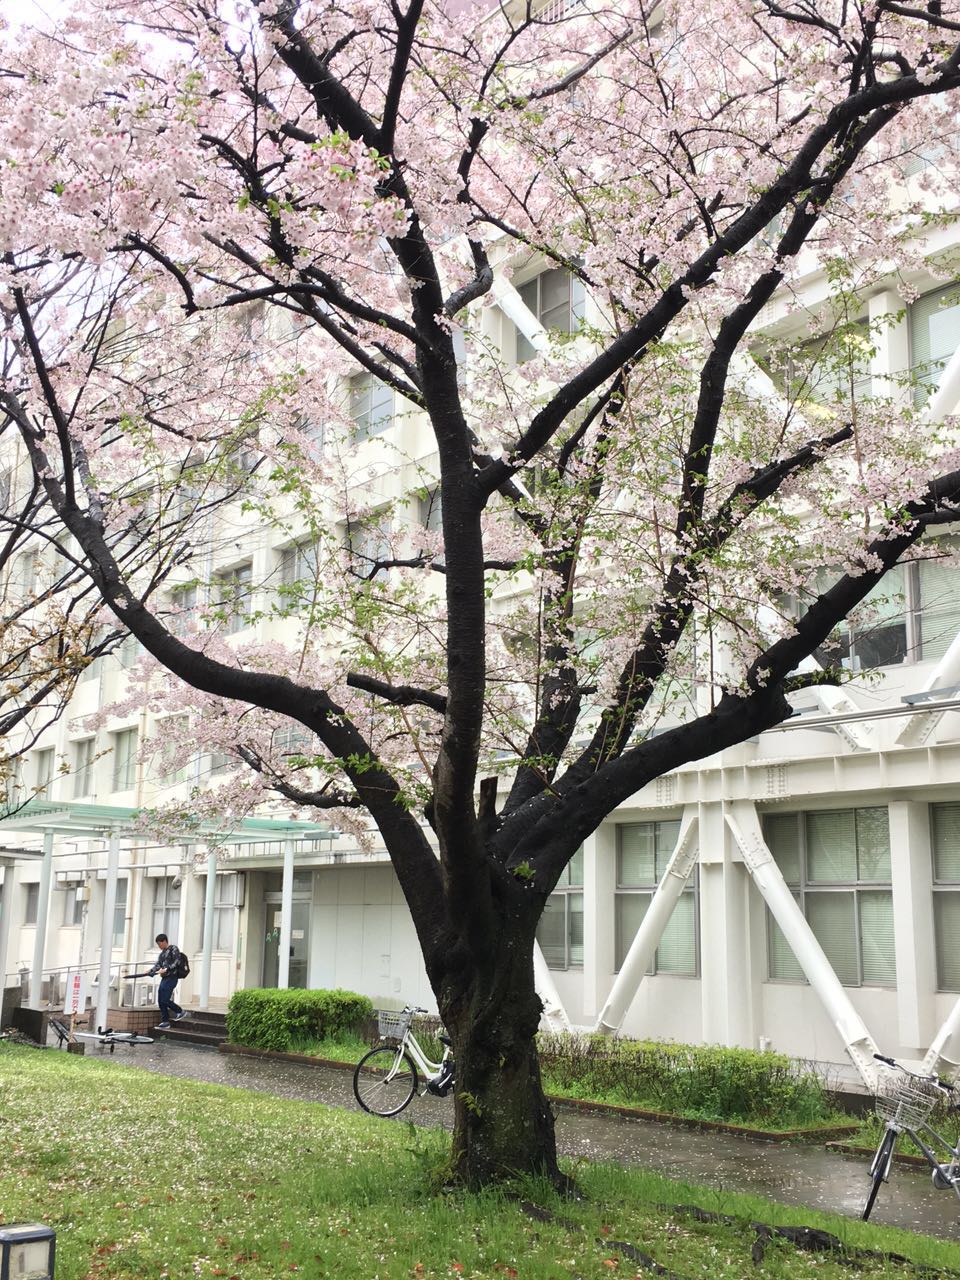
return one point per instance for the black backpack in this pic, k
(183, 967)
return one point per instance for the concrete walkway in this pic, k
(788, 1172)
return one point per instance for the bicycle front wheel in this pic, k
(879, 1169)
(385, 1080)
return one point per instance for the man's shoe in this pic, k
(162, 1026)
(178, 1017)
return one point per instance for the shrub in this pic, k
(265, 1018)
(740, 1086)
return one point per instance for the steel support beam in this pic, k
(741, 818)
(647, 938)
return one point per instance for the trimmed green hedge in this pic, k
(711, 1082)
(265, 1018)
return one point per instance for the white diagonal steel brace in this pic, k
(647, 938)
(554, 1016)
(741, 818)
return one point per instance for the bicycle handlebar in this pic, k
(917, 1075)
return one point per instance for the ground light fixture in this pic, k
(26, 1251)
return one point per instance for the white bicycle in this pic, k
(386, 1079)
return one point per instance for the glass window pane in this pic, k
(831, 917)
(934, 323)
(782, 964)
(636, 856)
(876, 938)
(946, 923)
(946, 841)
(573, 871)
(782, 834)
(677, 952)
(630, 910)
(575, 927)
(939, 606)
(873, 844)
(832, 846)
(667, 834)
(551, 932)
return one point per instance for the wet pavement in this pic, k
(788, 1172)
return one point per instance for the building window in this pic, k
(182, 619)
(831, 368)
(31, 905)
(945, 839)
(124, 760)
(43, 776)
(73, 903)
(368, 542)
(560, 931)
(166, 906)
(120, 914)
(234, 592)
(912, 614)
(934, 329)
(371, 406)
(295, 741)
(300, 565)
(173, 732)
(226, 901)
(83, 753)
(837, 865)
(431, 510)
(556, 299)
(643, 852)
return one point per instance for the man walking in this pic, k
(168, 967)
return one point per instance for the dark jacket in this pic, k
(167, 959)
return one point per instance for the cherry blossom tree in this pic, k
(225, 224)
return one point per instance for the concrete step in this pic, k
(203, 1027)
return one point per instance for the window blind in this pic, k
(945, 820)
(832, 919)
(934, 328)
(831, 846)
(876, 937)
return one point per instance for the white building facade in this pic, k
(853, 808)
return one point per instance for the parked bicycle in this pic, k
(904, 1101)
(386, 1078)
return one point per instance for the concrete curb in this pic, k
(580, 1104)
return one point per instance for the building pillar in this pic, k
(726, 983)
(106, 927)
(208, 923)
(286, 917)
(6, 918)
(43, 910)
(913, 934)
(599, 885)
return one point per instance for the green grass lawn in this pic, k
(147, 1177)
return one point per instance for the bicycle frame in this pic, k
(430, 1070)
(948, 1172)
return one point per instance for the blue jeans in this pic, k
(165, 998)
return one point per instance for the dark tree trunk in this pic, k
(503, 1123)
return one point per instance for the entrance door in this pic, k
(299, 944)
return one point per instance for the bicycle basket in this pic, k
(393, 1025)
(906, 1100)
